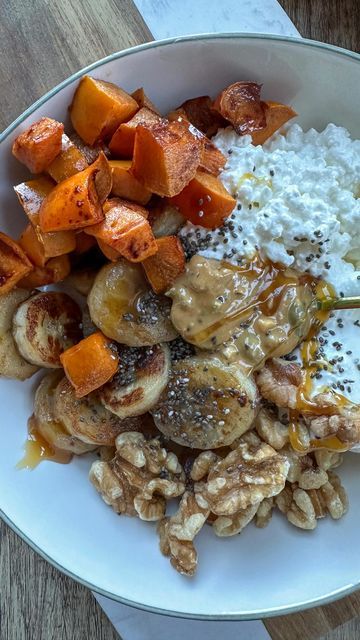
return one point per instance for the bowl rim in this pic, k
(247, 615)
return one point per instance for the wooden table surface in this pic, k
(54, 39)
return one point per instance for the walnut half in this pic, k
(304, 507)
(178, 532)
(242, 479)
(140, 478)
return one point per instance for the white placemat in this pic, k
(165, 19)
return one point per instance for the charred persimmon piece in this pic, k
(212, 160)
(98, 107)
(55, 270)
(277, 115)
(84, 243)
(90, 363)
(32, 246)
(205, 201)
(31, 194)
(122, 142)
(90, 152)
(126, 229)
(39, 145)
(119, 202)
(200, 113)
(125, 185)
(144, 101)
(70, 160)
(240, 104)
(165, 266)
(76, 202)
(166, 156)
(14, 263)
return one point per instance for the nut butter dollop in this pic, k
(245, 313)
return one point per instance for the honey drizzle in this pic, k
(304, 404)
(38, 449)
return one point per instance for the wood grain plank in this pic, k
(54, 39)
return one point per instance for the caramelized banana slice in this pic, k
(87, 419)
(123, 307)
(44, 326)
(54, 431)
(143, 375)
(12, 364)
(206, 404)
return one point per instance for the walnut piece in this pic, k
(278, 382)
(270, 429)
(304, 470)
(328, 459)
(140, 478)
(304, 507)
(243, 478)
(345, 424)
(178, 532)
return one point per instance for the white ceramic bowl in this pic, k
(54, 508)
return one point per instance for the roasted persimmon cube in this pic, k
(55, 270)
(126, 230)
(277, 115)
(144, 101)
(125, 185)
(119, 202)
(200, 113)
(122, 142)
(98, 107)
(166, 265)
(212, 160)
(70, 160)
(240, 104)
(76, 202)
(166, 156)
(32, 246)
(14, 263)
(39, 145)
(205, 201)
(31, 194)
(90, 363)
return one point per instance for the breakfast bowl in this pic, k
(53, 507)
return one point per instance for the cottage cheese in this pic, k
(297, 203)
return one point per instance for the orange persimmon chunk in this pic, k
(144, 101)
(240, 104)
(55, 270)
(69, 161)
(84, 243)
(166, 265)
(205, 201)
(90, 363)
(126, 229)
(39, 145)
(76, 202)
(122, 142)
(109, 253)
(31, 194)
(166, 156)
(98, 107)
(14, 263)
(212, 160)
(277, 115)
(125, 185)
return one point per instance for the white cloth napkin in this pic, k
(165, 19)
